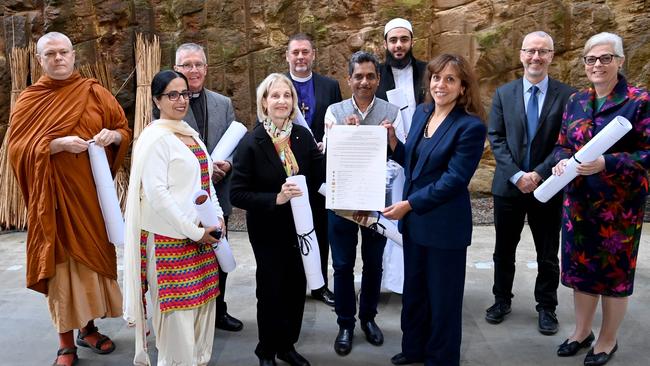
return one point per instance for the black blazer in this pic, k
(436, 183)
(258, 176)
(387, 81)
(326, 92)
(507, 133)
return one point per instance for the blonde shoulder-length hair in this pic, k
(263, 92)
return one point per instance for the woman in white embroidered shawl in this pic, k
(167, 252)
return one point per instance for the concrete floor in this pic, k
(27, 337)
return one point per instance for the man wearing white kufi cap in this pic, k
(400, 71)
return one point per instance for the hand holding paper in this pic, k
(307, 240)
(606, 138)
(208, 217)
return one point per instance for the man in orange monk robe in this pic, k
(69, 257)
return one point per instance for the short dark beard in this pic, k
(400, 64)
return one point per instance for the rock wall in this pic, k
(245, 39)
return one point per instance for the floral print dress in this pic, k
(603, 213)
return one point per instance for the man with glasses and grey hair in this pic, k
(210, 114)
(523, 127)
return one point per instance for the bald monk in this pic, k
(69, 257)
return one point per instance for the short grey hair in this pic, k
(190, 47)
(540, 34)
(263, 92)
(40, 44)
(605, 38)
(361, 57)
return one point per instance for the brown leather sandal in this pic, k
(97, 347)
(66, 351)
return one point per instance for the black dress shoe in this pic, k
(567, 349)
(325, 295)
(293, 358)
(373, 333)
(343, 341)
(599, 359)
(400, 359)
(547, 322)
(229, 323)
(267, 362)
(497, 312)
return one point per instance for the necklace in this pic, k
(426, 128)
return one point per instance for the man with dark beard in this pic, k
(401, 69)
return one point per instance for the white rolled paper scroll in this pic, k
(208, 217)
(606, 138)
(229, 141)
(376, 222)
(107, 195)
(308, 244)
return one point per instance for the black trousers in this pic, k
(432, 303)
(544, 220)
(280, 292)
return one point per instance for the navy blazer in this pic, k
(436, 183)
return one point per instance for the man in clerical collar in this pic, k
(361, 109)
(315, 93)
(210, 115)
(401, 69)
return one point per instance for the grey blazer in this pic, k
(507, 133)
(220, 115)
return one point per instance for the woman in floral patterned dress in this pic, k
(604, 206)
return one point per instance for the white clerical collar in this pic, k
(299, 79)
(194, 95)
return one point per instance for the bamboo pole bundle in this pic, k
(35, 69)
(99, 71)
(13, 213)
(147, 64)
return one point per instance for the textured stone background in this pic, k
(245, 39)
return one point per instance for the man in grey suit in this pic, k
(523, 127)
(210, 115)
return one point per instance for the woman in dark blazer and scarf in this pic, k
(276, 149)
(442, 151)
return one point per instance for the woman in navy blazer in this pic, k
(442, 151)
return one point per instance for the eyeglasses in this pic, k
(189, 66)
(530, 52)
(174, 95)
(605, 59)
